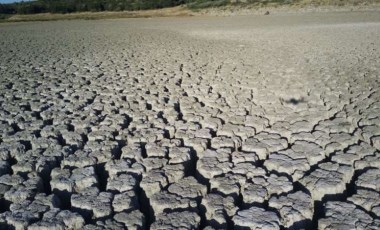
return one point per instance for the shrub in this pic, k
(199, 4)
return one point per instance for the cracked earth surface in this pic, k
(255, 122)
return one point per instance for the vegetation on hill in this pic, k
(70, 6)
(78, 6)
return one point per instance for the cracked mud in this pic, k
(191, 123)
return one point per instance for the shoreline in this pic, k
(285, 9)
(183, 11)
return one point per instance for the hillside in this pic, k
(100, 9)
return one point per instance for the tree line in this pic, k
(70, 6)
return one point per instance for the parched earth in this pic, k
(252, 122)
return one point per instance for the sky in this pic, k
(10, 1)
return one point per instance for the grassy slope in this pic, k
(201, 4)
(337, 2)
(166, 12)
(183, 10)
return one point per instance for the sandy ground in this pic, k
(245, 122)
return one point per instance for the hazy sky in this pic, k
(10, 1)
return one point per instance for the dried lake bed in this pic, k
(244, 122)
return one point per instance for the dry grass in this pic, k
(259, 7)
(179, 11)
(336, 2)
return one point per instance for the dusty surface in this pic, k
(261, 122)
(304, 6)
